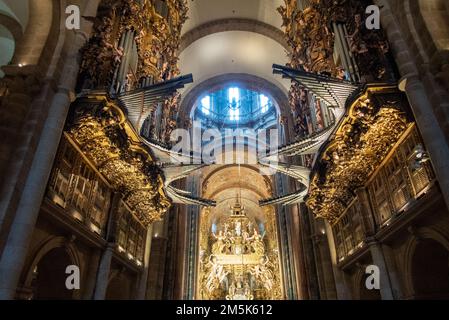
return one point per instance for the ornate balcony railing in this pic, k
(400, 181)
(347, 230)
(77, 188)
(130, 235)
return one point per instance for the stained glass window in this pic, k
(205, 105)
(264, 103)
(234, 102)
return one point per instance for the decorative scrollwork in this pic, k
(100, 130)
(239, 263)
(362, 142)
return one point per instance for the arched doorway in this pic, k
(119, 287)
(430, 270)
(49, 281)
(365, 293)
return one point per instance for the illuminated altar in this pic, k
(238, 264)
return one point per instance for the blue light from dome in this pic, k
(264, 103)
(205, 105)
(234, 104)
(235, 107)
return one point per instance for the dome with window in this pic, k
(234, 107)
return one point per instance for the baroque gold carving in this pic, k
(308, 35)
(238, 262)
(99, 128)
(374, 125)
(311, 35)
(311, 44)
(156, 38)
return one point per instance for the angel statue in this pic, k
(238, 228)
(216, 276)
(262, 273)
(218, 246)
(258, 245)
(247, 291)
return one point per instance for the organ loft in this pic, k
(224, 150)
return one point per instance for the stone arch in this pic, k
(59, 48)
(233, 24)
(419, 235)
(435, 14)
(245, 81)
(225, 184)
(59, 55)
(36, 35)
(264, 190)
(119, 286)
(360, 290)
(7, 45)
(47, 247)
(11, 31)
(12, 25)
(427, 23)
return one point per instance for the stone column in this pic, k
(378, 259)
(104, 271)
(157, 261)
(366, 214)
(20, 233)
(368, 225)
(420, 103)
(15, 106)
(343, 292)
(431, 132)
(301, 279)
(179, 253)
(392, 271)
(91, 275)
(306, 225)
(291, 248)
(143, 281)
(323, 262)
(15, 110)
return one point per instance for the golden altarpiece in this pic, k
(238, 260)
